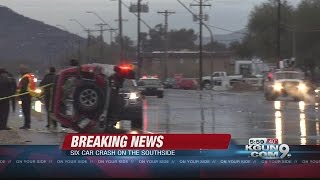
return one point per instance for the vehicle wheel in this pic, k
(88, 98)
(234, 81)
(207, 85)
(143, 96)
(270, 97)
(298, 99)
(160, 95)
(137, 124)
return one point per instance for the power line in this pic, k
(84, 28)
(111, 33)
(139, 38)
(166, 14)
(205, 24)
(186, 7)
(101, 30)
(88, 32)
(278, 47)
(144, 22)
(295, 29)
(230, 40)
(201, 18)
(139, 8)
(232, 31)
(99, 17)
(120, 26)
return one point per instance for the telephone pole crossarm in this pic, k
(201, 18)
(166, 14)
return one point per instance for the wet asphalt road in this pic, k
(242, 114)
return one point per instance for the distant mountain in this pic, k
(34, 43)
(227, 38)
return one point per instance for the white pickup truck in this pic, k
(216, 79)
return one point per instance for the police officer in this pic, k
(74, 62)
(13, 86)
(26, 85)
(48, 81)
(5, 91)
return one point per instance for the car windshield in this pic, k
(129, 83)
(170, 80)
(150, 81)
(289, 75)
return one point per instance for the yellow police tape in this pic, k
(17, 95)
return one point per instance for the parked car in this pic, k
(187, 84)
(170, 83)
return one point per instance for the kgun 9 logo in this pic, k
(267, 148)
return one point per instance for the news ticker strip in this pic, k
(154, 141)
(157, 161)
(41, 161)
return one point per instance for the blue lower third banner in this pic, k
(237, 161)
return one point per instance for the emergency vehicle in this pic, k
(285, 83)
(151, 86)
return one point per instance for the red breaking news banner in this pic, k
(154, 141)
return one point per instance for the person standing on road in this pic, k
(48, 81)
(74, 62)
(26, 85)
(5, 91)
(13, 86)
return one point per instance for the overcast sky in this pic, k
(229, 14)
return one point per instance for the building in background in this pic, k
(185, 63)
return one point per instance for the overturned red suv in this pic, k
(91, 98)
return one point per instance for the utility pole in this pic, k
(201, 19)
(139, 8)
(278, 50)
(88, 44)
(79, 50)
(89, 36)
(121, 43)
(122, 49)
(120, 30)
(294, 47)
(111, 30)
(101, 30)
(99, 17)
(66, 41)
(139, 39)
(166, 13)
(75, 44)
(135, 14)
(208, 28)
